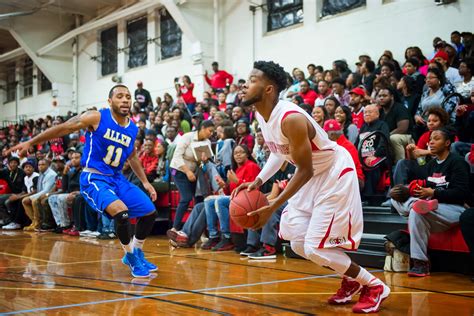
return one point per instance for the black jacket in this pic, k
(14, 179)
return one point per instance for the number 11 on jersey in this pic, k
(110, 152)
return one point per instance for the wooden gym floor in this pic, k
(49, 274)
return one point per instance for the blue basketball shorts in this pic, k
(100, 191)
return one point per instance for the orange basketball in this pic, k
(245, 202)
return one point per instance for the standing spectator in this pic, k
(46, 182)
(339, 91)
(308, 95)
(398, 121)
(220, 79)
(184, 166)
(356, 104)
(143, 97)
(184, 88)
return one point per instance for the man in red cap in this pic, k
(334, 130)
(357, 99)
(452, 74)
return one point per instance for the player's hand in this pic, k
(264, 213)
(151, 190)
(250, 186)
(423, 193)
(21, 149)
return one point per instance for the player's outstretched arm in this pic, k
(89, 119)
(137, 168)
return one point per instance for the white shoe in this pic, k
(85, 233)
(387, 203)
(94, 234)
(12, 226)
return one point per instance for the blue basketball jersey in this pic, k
(107, 148)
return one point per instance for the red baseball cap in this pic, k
(332, 126)
(442, 54)
(358, 91)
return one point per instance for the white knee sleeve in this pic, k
(298, 248)
(333, 258)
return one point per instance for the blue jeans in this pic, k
(269, 232)
(106, 225)
(217, 208)
(186, 189)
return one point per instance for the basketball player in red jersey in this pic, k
(324, 212)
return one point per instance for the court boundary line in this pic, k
(173, 293)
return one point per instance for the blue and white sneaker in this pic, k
(135, 265)
(147, 264)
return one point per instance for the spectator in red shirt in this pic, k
(308, 95)
(184, 88)
(220, 79)
(149, 160)
(357, 99)
(243, 134)
(333, 128)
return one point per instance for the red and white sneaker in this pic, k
(344, 295)
(370, 298)
(425, 206)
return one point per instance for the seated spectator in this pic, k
(183, 124)
(244, 169)
(60, 202)
(320, 115)
(323, 92)
(411, 69)
(244, 136)
(409, 96)
(343, 116)
(296, 86)
(14, 177)
(184, 165)
(367, 71)
(308, 95)
(466, 221)
(149, 160)
(372, 123)
(237, 113)
(46, 182)
(451, 74)
(333, 128)
(398, 121)
(258, 153)
(342, 69)
(465, 86)
(339, 91)
(224, 148)
(232, 95)
(13, 203)
(446, 184)
(464, 125)
(356, 104)
(331, 104)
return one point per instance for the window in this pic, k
(108, 51)
(170, 36)
(331, 7)
(44, 83)
(137, 42)
(283, 13)
(28, 78)
(11, 83)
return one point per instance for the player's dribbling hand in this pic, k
(250, 186)
(151, 190)
(264, 213)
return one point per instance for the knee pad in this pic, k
(121, 218)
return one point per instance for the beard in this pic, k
(251, 101)
(117, 110)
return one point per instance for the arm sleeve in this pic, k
(274, 163)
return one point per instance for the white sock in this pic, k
(138, 243)
(366, 278)
(127, 248)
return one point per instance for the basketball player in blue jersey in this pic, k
(110, 140)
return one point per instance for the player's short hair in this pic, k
(111, 92)
(272, 71)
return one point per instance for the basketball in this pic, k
(245, 202)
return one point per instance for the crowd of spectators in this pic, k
(207, 148)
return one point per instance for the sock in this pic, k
(138, 243)
(127, 248)
(366, 278)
